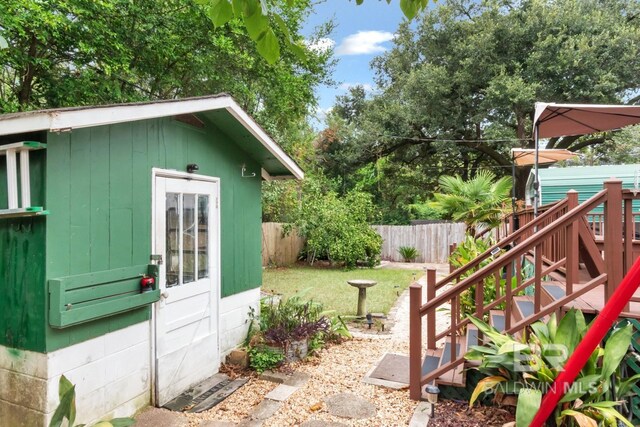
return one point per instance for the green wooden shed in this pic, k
(130, 239)
(586, 180)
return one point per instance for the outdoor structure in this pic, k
(586, 180)
(130, 246)
(557, 255)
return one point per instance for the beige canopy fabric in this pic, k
(525, 156)
(556, 120)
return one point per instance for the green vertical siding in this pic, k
(99, 196)
(22, 266)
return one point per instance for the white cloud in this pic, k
(364, 42)
(368, 87)
(321, 45)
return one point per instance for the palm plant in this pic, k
(477, 201)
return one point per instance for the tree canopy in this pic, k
(86, 52)
(457, 90)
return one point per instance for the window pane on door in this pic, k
(172, 257)
(188, 238)
(203, 236)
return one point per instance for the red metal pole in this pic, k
(594, 336)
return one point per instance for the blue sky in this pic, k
(361, 33)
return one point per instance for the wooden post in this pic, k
(415, 341)
(613, 256)
(629, 234)
(431, 316)
(508, 295)
(573, 257)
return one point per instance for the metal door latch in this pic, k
(156, 259)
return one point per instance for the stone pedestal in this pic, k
(362, 286)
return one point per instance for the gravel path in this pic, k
(338, 369)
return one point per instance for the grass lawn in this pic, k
(330, 287)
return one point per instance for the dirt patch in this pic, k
(450, 413)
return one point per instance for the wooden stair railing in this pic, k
(539, 231)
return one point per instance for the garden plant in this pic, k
(527, 368)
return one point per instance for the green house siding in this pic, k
(22, 266)
(586, 180)
(99, 198)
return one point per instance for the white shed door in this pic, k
(186, 317)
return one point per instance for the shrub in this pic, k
(408, 253)
(337, 228)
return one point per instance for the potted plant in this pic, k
(287, 326)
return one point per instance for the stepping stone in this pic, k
(264, 410)
(421, 415)
(320, 423)
(274, 377)
(217, 423)
(158, 417)
(281, 393)
(348, 405)
(188, 398)
(297, 379)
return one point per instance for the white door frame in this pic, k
(217, 277)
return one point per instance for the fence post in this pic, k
(573, 257)
(415, 341)
(613, 236)
(431, 316)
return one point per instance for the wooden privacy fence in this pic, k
(278, 249)
(431, 240)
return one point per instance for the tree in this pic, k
(263, 18)
(478, 201)
(79, 52)
(456, 93)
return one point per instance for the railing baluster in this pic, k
(572, 246)
(507, 293)
(629, 235)
(454, 328)
(538, 278)
(415, 341)
(431, 316)
(613, 236)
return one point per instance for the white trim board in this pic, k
(75, 118)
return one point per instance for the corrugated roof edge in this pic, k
(80, 117)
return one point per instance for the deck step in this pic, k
(471, 340)
(496, 319)
(454, 377)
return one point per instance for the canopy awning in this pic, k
(556, 120)
(525, 156)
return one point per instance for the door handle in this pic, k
(164, 295)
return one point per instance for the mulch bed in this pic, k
(451, 413)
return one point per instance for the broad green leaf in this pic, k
(580, 387)
(568, 333)
(581, 419)
(239, 7)
(512, 347)
(625, 386)
(256, 24)
(64, 409)
(483, 385)
(283, 27)
(220, 12)
(528, 404)
(496, 336)
(409, 8)
(64, 385)
(552, 325)
(269, 47)
(615, 349)
(610, 413)
(298, 51)
(541, 331)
